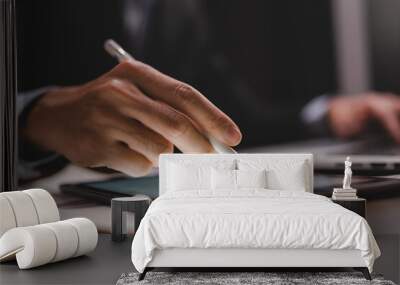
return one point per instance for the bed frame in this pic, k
(246, 258)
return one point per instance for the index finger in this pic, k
(181, 96)
(392, 124)
(390, 121)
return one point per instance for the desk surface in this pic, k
(102, 266)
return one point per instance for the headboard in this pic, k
(267, 157)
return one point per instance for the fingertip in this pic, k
(233, 136)
(393, 127)
(397, 137)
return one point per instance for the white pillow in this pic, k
(223, 179)
(251, 178)
(181, 177)
(185, 174)
(227, 179)
(282, 174)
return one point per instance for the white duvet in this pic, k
(250, 219)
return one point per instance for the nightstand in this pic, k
(137, 204)
(357, 205)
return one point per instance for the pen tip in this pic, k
(111, 47)
(116, 50)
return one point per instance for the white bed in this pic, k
(200, 223)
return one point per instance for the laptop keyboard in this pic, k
(376, 147)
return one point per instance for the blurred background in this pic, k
(261, 62)
(272, 66)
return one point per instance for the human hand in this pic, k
(127, 117)
(349, 115)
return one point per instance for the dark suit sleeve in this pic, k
(59, 43)
(33, 162)
(188, 40)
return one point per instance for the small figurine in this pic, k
(347, 174)
(346, 192)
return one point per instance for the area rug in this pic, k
(244, 278)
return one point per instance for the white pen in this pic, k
(119, 53)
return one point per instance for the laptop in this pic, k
(373, 155)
